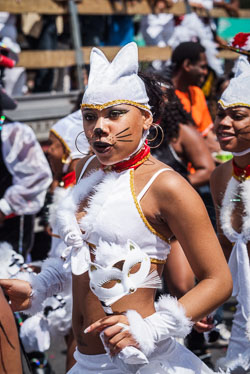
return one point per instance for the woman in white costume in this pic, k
(230, 184)
(55, 317)
(117, 224)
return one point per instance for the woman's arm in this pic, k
(185, 214)
(218, 182)
(196, 151)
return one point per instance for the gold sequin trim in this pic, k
(61, 140)
(156, 261)
(241, 178)
(140, 211)
(232, 105)
(114, 102)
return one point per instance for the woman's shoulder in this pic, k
(167, 180)
(86, 165)
(220, 178)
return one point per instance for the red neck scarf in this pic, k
(69, 179)
(241, 174)
(133, 163)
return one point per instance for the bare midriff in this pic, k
(87, 309)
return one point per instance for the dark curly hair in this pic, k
(173, 115)
(155, 94)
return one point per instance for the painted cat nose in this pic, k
(98, 132)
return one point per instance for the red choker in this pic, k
(132, 163)
(241, 174)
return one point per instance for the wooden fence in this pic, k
(51, 59)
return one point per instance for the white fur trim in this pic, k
(169, 320)
(141, 332)
(170, 306)
(242, 361)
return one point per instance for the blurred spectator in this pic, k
(46, 40)
(120, 30)
(189, 66)
(158, 28)
(25, 177)
(182, 144)
(15, 79)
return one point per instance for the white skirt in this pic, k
(169, 357)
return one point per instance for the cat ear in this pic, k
(93, 267)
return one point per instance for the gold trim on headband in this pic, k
(61, 140)
(114, 102)
(232, 105)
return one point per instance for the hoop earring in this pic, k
(157, 127)
(84, 154)
(65, 159)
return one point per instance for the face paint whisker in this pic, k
(122, 131)
(123, 136)
(124, 140)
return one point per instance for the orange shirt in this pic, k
(194, 102)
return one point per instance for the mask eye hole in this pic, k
(111, 283)
(135, 268)
(119, 265)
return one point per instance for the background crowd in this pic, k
(193, 78)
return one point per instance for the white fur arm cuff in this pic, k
(169, 320)
(49, 281)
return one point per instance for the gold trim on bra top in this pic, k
(132, 187)
(156, 261)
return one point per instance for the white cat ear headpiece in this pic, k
(66, 130)
(109, 283)
(116, 82)
(237, 92)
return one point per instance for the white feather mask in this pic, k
(124, 281)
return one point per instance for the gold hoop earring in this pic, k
(65, 159)
(84, 154)
(157, 128)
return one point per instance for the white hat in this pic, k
(67, 129)
(116, 82)
(237, 92)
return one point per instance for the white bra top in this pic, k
(114, 213)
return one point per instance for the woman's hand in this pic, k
(18, 291)
(115, 335)
(204, 325)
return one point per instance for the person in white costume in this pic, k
(230, 185)
(55, 318)
(117, 224)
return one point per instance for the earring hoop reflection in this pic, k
(156, 128)
(83, 153)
